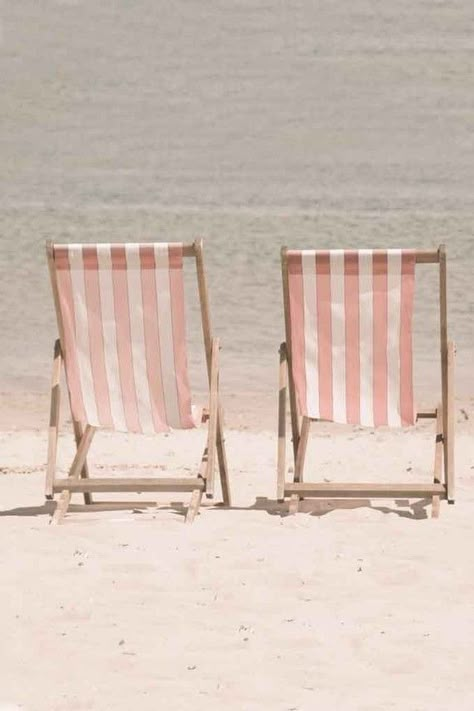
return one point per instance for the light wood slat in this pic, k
(115, 506)
(61, 507)
(78, 434)
(81, 453)
(282, 391)
(194, 505)
(354, 490)
(207, 335)
(450, 424)
(213, 415)
(293, 505)
(438, 461)
(128, 484)
(295, 427)
(302, 444)
(204, 303)
(222, 459)
(54, 420)
(443, 324)
(74, 475)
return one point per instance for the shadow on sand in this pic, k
(312, 507)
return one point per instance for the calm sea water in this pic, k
(252, 123)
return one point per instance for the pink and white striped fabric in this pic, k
(122, 308)
(351, 335)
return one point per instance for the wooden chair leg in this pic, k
(194, 505)
(78, 433)
(75, 473)
(213, 417)
(206, 328)
(222, 459)
(301, 453)
(449, 426)
(282, 394)
(438, 460)
(295, 425)
(79, 460)
(54, 420)
(62, 506)
(293, 505)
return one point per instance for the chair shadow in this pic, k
(310, 507)
(44, 509)
(322, 507)
(133, 506)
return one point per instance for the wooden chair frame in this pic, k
(79, 480)
(443, 476)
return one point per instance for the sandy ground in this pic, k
(343, 606)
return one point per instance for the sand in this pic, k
(343, 606)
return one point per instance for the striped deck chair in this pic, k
(348, 359)
(121, 319)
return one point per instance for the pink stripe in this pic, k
(96, 338)
(297, 327)
(66, 305)
(351, 299)
(124, 347)
(175, 255)
(323, 288)
(379, 261)
(152, 338)
(407, 410)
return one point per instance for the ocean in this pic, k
(252, 124)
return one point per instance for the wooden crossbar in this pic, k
(128, 484)
(427, 415)
(189, 250)
(356, 491)
(427, 256)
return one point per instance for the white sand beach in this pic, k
(352, 605)
(254, 125)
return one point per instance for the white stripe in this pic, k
(366, 337)
(394, 283)
(165, 326)
(109, 331)
(82, 335)
(308, 260)
(137, 333)
(338, 328)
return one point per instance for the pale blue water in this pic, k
(254, 124)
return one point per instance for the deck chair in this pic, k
(348, 359)
(121, 319)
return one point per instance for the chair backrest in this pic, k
(121, 320)
(349, 322)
